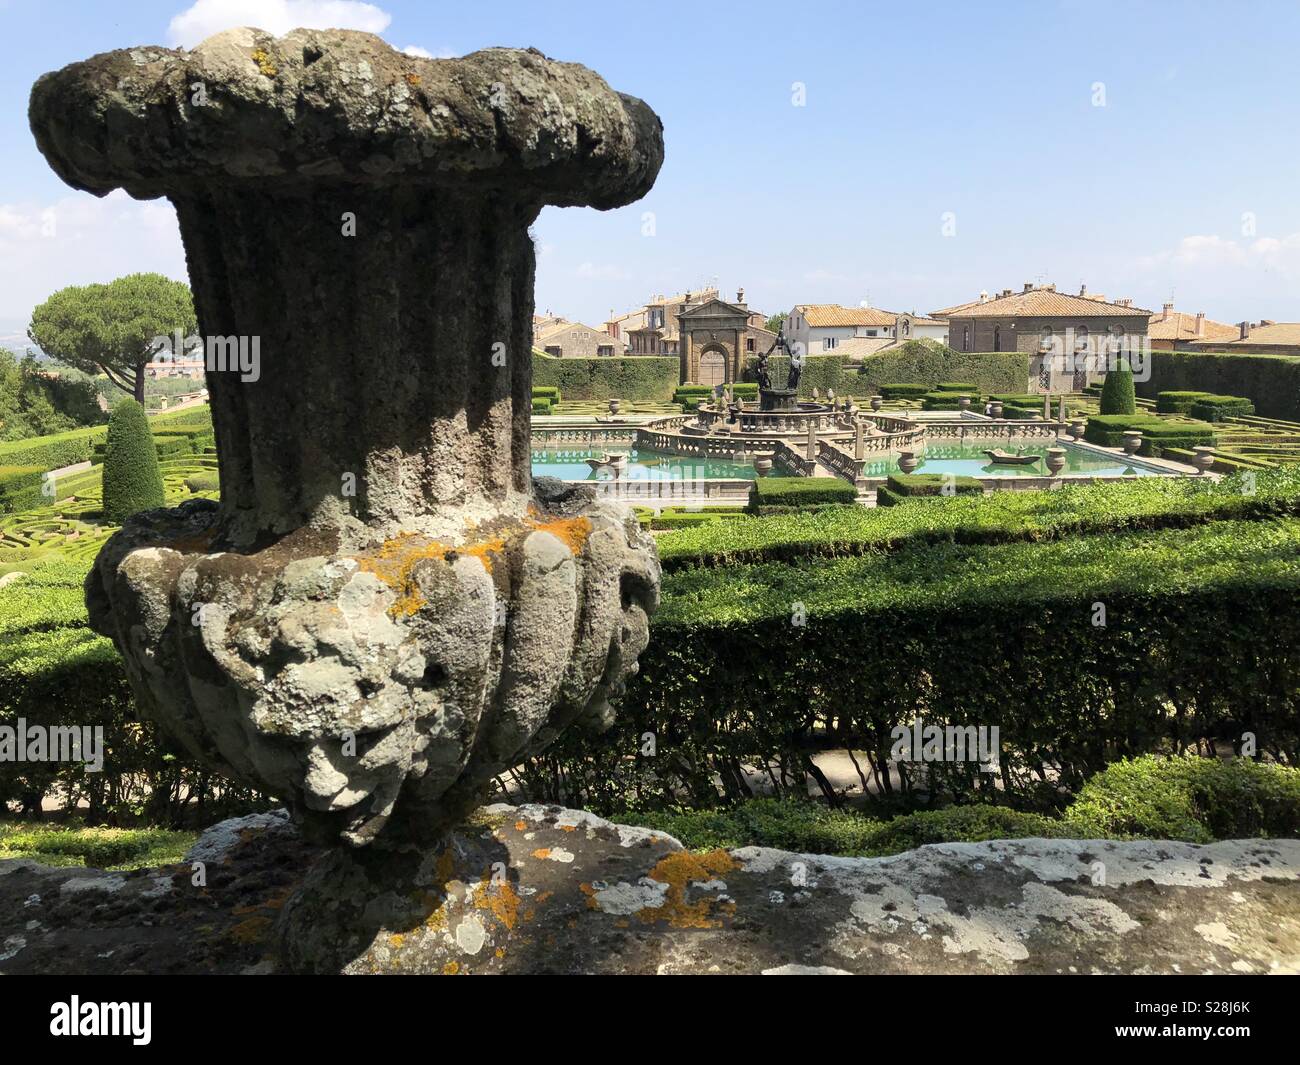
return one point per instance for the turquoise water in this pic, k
(969, 460)
(643, 465)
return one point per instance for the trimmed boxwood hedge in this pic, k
(1118, 395)
(764, 664)
(1177, 402)
(546, 392)
(634, 378)
(1209, 408)
(1271, 382)
(901, 487)
(1108, 430)
(132, 480)
(915, 360)
(541, 405)
(788, 493)
(904, 391)
(950, 386)
(54, 451)
(1194, 799)
(941, 401)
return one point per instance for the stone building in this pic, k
(1261, 338)
(574, 340)
(714, 338)
(822, 327)
(652, 328)
(1172, 330)
(1041, 322)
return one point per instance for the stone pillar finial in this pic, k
(384, 611)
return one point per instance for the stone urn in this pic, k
(1203, 458)
(613, 406)
(908, 461)
(963, 403)
(1077, 427)
(763, 467)
(876, 402)
(385, 610)
(1132, 441)
(995, 410)
(1055, 460)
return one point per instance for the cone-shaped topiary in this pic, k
(1117, 393)
(132, 480)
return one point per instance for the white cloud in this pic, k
(206, 17)
(1206, 251)
(418, 52)
(79, 239)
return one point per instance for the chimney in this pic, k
(1244, 327)
(1006, 292)
(1051, 287)
(1127, 301)
(1083, 291)
(984, 295)
(1167, 311)
(1200, 323)
(740, 296)
(1266, 321)
(1029, 286)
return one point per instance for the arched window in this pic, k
(965, 338)
(997, 338)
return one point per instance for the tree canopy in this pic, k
(776, 321)
(111, 329)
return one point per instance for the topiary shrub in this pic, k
(904, 391)
(1158, 433)
(774, 495)
(203, 482)
(900, 487)
(132, 480)
(956, 386)
(1194, 799)
(541, 405)
(1210, 408)
(1175, 402)
(1118, 396)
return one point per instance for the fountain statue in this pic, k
(384, 611)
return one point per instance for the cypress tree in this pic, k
(132, 480)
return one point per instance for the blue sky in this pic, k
(1185, 181)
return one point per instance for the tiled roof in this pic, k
(821, 315)
(565, 328)
(1044, 303)
(1180, 326)
(1286, 334)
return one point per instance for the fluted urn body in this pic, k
(384, 610)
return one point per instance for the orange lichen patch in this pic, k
(572, 532)
(451, 968)
(263, 61)
(568, 828)
(542, 853)
(622, 922)
(501, 902)
(394, 562)
(413, 79)
(678, 871)
(500, 952)
(251, 930)
(275, 902)
(396, 940)
(521, 826)
(590, 892)
(544, 896)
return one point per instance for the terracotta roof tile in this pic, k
(1043, 303)
(1180, 326)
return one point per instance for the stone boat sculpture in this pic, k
(385, 610)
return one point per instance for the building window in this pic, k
(997, 338)
(829, 342)
(965, 338)
(554, 349)
(749, 343)
(871, 332)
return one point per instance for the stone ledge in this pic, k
(535, 889)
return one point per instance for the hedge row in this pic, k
(999, 517)
(634, 378)
(904, 391)
(900, 487)
(916, 360)
(760, 665)
(55, 671)
(1107, 430)
(1218, 408)
(1272, 382)
(779, 494)
(1194, 799)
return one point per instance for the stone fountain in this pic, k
(384, 611)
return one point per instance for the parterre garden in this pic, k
(804, 624)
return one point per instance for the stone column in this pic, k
(812, 440)
(384, 610)
(859, 441)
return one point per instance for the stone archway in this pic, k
(713, 365)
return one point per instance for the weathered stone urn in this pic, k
(385, 610)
